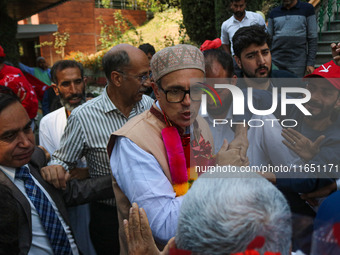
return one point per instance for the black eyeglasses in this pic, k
(142, 78)
(178, 95)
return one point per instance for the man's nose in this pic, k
(73, 88)
(261, 60)
(23, 139)
(187, 100)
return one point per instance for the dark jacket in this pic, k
(77, 192)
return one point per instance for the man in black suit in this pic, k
(43, 222)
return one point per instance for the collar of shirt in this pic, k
(108, 105)
(244, 18)
(10, 171)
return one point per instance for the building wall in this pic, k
(79, 19)
(136, 17)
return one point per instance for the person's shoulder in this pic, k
(228, 21)
(276, 12)
(146, 100)
(11, 69)
(282, 74)
(52, 115)
(307, 8)
(306, 5)
(91, 104)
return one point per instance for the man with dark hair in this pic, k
(69, 84)
(69, 72)
(52, 99)
(294, 30)
(148, 49)
(252, 54)
(88, 130)
(43, 222)
(240, 18)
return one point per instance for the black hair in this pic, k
(114, 61)
(221, 57)
(7, 97)
(147, 48)
(63, 64)
(245, 36)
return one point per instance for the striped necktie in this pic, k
(54, 229)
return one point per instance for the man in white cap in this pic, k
(145, 172)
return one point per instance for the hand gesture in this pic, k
(138, 233)
(240, 142)
(336, 52)
(230, 156)
(56, 175)
(300, 144)
(309, 69)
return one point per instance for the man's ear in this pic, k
(85, 81)
(116, 78)
(238, 61)
(155, 89)
(55, 88)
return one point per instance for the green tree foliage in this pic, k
(199, 19)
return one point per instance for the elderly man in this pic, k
(214, 220)
(43, 223)
(89, 128)
(146, 170)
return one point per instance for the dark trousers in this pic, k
(104, 229)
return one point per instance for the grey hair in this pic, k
(220, 216)
(114, 60)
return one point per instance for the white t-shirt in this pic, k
(231, 25)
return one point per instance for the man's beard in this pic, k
(257, 80)
(324, 113)
(239, 14)
(70, 107)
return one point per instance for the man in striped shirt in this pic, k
(88, 130)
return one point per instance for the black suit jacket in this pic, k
(77, 192)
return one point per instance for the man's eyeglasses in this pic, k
(142, 78)
(178, 95)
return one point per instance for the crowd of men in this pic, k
(125, 172)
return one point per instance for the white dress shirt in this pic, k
(231, 25)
